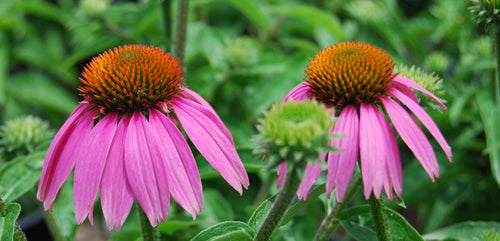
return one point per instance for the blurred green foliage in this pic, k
(244, 55)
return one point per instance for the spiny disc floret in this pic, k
(129, 78)
(350, 73)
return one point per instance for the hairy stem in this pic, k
(327, 226)
(180, 30)
(149, 233)
(379, 219)
(166, 10)
(280, 206)
(496, 87)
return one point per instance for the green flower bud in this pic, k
(430, 81)
(21, 136)
(295, 131)
(487, 12)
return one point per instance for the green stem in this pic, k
(166, 10)
(280, 206)
(327, 226)
(379, 219)
(180, 30)
(149, 233)
(496, 89)
(54, 226)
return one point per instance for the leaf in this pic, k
(26, 169)
(466, 231)
(315, 16)
(231, 230)
(260, 214)
(8, 223)
(358, 223)
(216, 206)
(251, 9)
(490, 114)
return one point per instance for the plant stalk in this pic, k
(280, 206)
(327, 226)
(496, 89)
(54, 226)
(149, 233)
(180, 30)
(379, 219)
(166, 10)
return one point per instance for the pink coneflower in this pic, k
(357, 80)
(125, 142)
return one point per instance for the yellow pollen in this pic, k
(350, 73)
(129, 78)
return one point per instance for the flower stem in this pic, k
(379, 219)
(280, 206)
(166, 10)
(54, 227)
(180, 30)
(149, 233)
(327, 226)
(496, 89)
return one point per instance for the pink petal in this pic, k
(141, 152)
(201, 127)
(425, 119)
(373, 149)
(412, 135)
(282, 171)
(410, 83)
(189, 94)
(90, 165)
(407, 91)
(299, 92)
(311, 175)
(341, 164)
(394, 177)
(62, 153)
(180, 165)
(116, 196)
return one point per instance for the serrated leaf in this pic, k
(466, 231)
(490, 115)
(8, 223)
(358, 223)
(260, 214)
(26, 169)
(231, 230)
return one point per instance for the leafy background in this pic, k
(242, 56)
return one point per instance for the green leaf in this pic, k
(231, 230)
(251, 9)
(358, 223)
(216, 206)
(490, 114)
(296, 206)
(315, 16)
(8, 222)
(466, 231)
(26, 169)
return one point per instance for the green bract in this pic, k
(487, 11)
(295, 131)
(21, 136)
(429, 81)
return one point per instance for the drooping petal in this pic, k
(413, 136)
(90, 165)
(426, 120)
(212, 142)
(412, 84)
(116, 196)
(394, 173)
(282, 171)
(311, 175)
(62, 153)
(196, 97)
(150, 191)
(407, 91)
(372, 150)
(180, 165)
(299, 92)
(341, 164)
